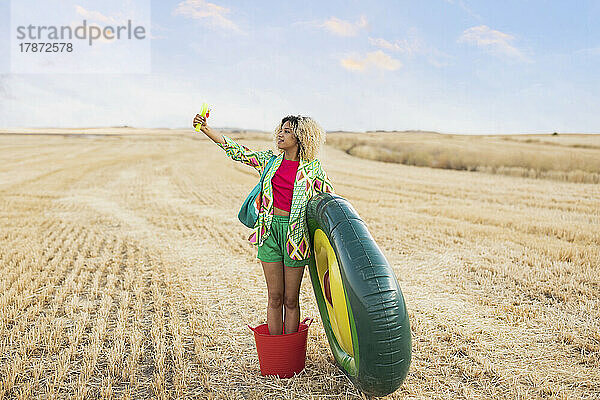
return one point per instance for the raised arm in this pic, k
(217, 138)
(241, 153)
(234, 150)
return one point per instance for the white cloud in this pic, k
(344, 28)
(494, 42)
(213, 13)
(413, 46)
(96, 16)
(93, 15)
(377, 59)
(403, 46)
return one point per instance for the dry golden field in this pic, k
(563, 157)
(124, 273)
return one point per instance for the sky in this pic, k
(452, 66)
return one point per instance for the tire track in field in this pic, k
(33, 157)
(513, 283)
(177, 207)
(214, 274)
(462, 226)
(153, 237)
(53, 256)
(459, 278)
(71, 246)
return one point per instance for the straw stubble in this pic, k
(126, 274)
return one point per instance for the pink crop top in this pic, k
(283, 184)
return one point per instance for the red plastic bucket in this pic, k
(282, 355)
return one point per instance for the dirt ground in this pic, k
(125, 273)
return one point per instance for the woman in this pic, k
(281, 232)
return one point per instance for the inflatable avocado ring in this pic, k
(359, 298)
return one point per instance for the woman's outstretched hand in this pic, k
(199, 119)
(216, 137)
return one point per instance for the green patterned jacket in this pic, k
(310, 179)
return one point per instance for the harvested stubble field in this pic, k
(126, 274)
(564, 157)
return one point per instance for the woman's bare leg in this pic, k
(291, 294)
(275, 288)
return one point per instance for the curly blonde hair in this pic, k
(309, 133)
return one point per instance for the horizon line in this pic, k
(245, 130)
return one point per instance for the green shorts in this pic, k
(273, 248)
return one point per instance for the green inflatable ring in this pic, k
(359, 298)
